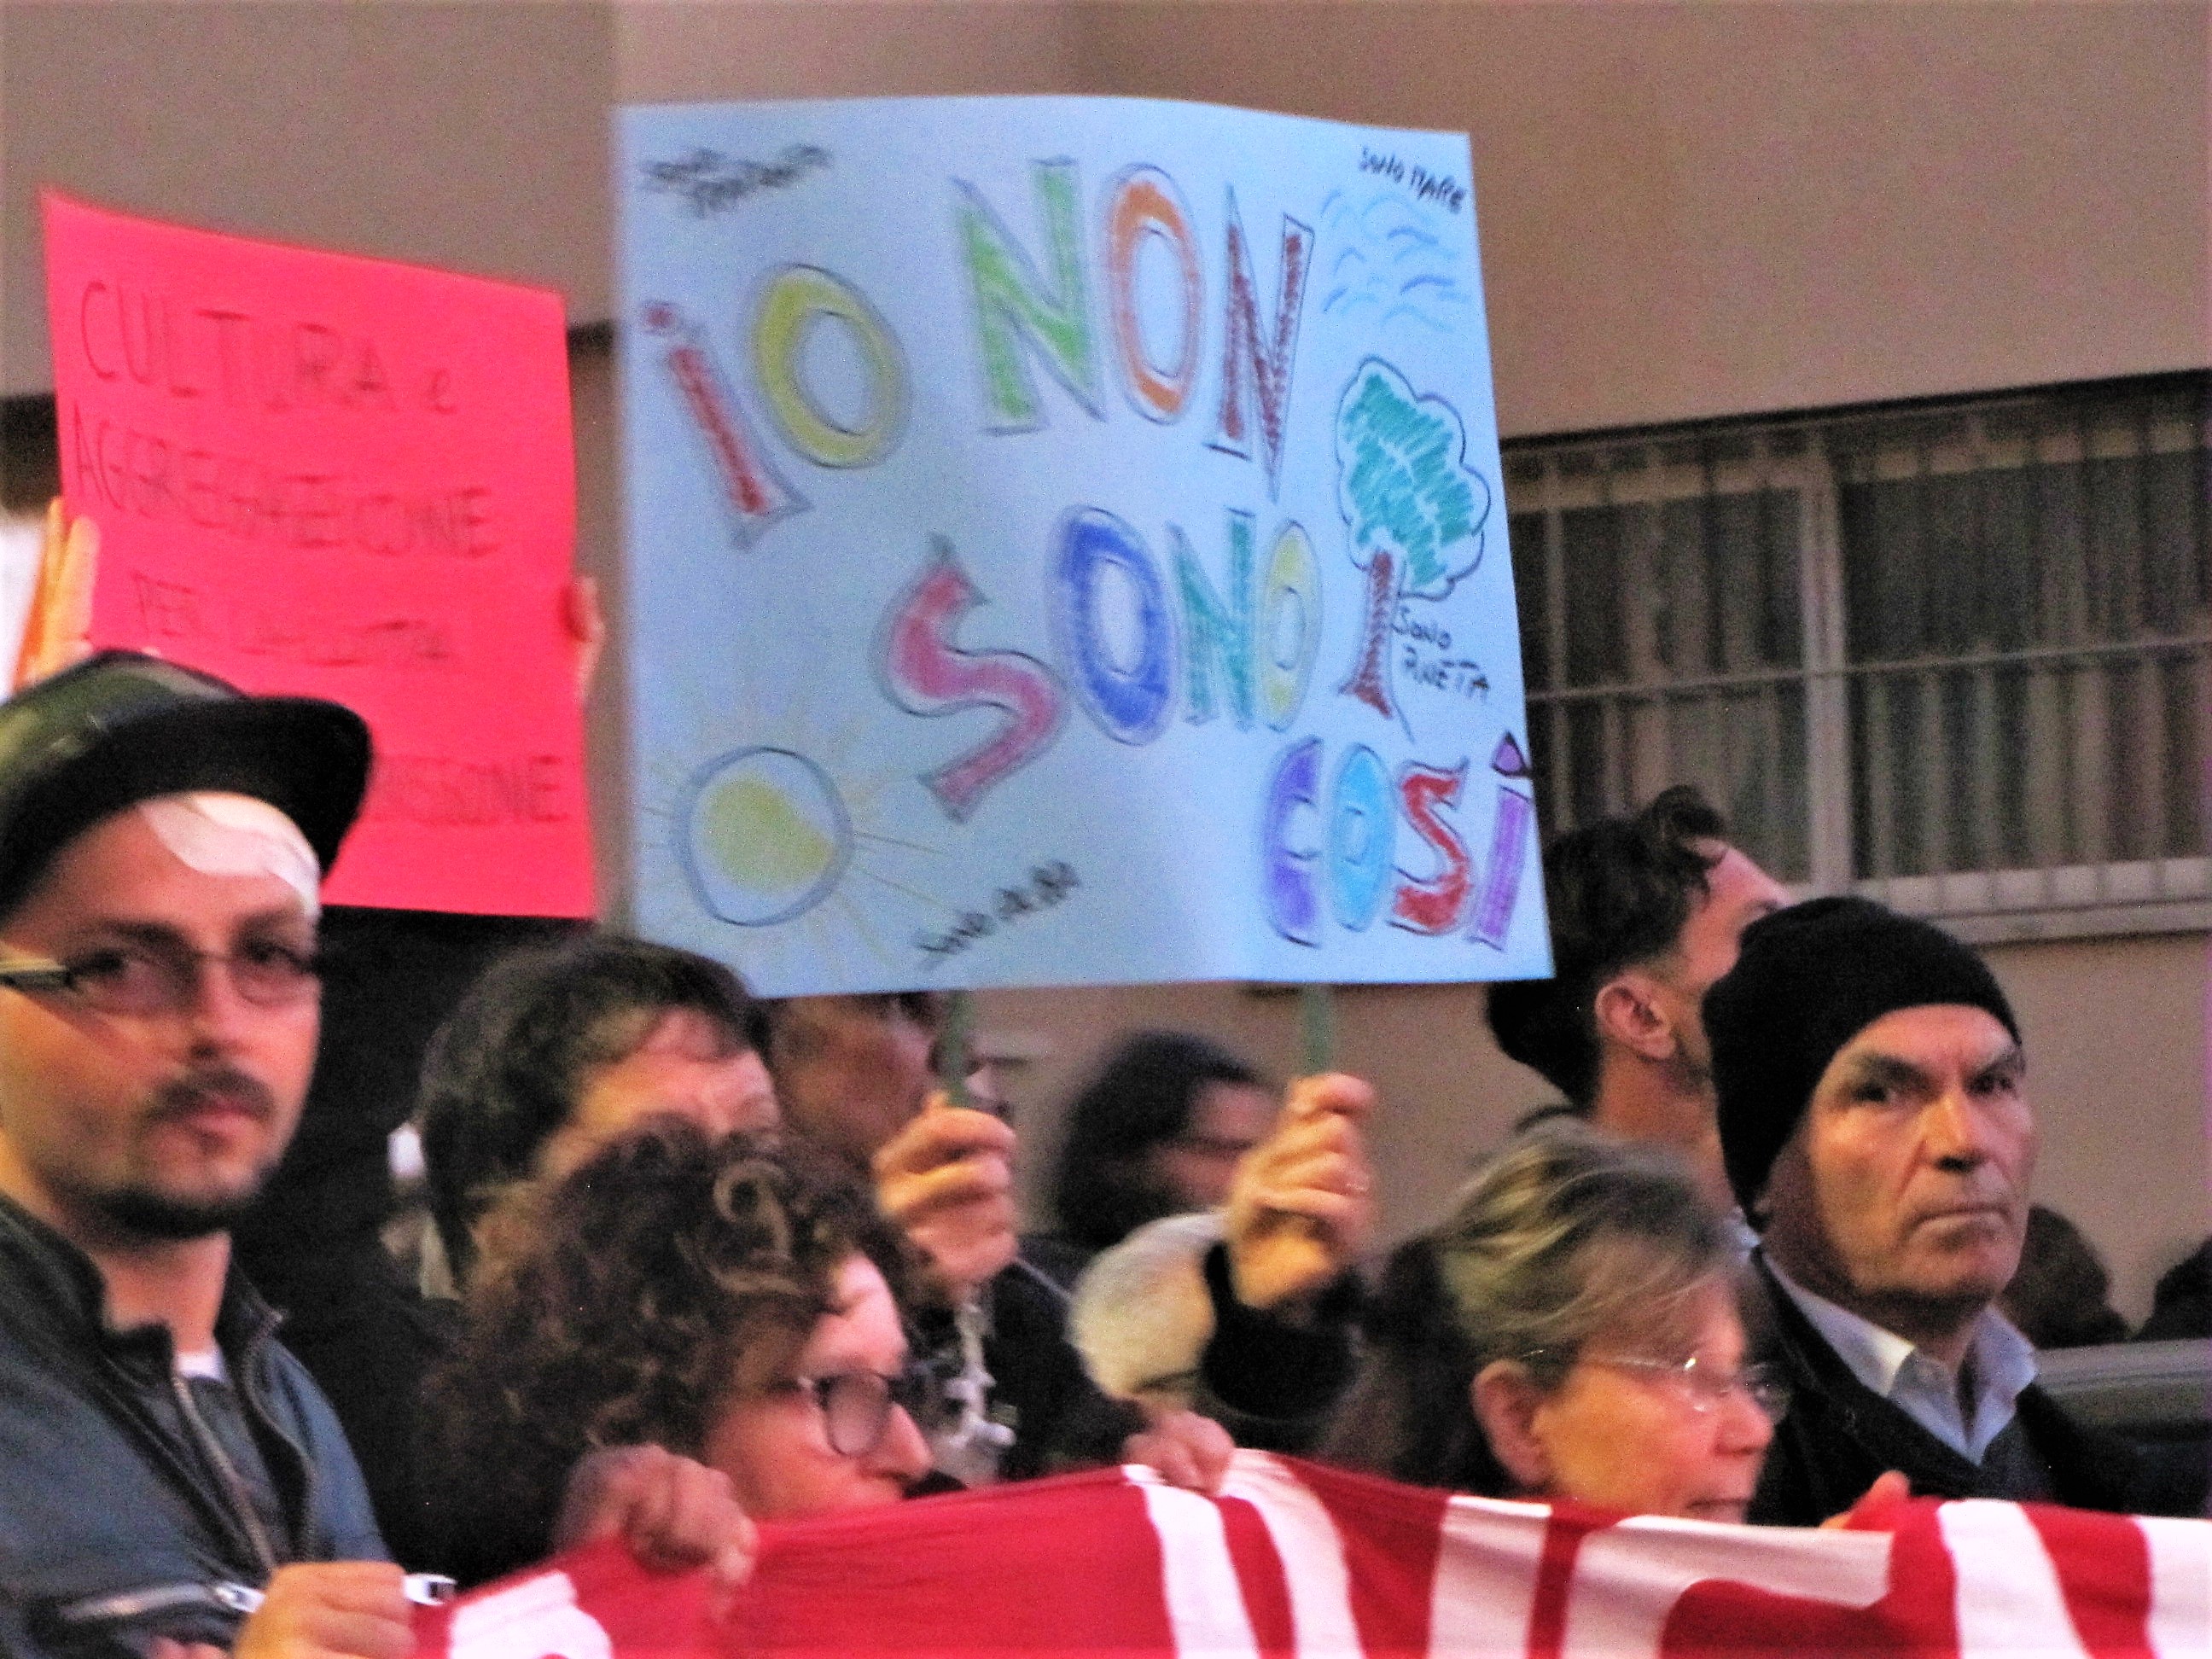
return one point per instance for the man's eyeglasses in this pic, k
(1705, 1386)
(153, 979)
(856, 1406)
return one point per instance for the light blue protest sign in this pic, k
(1067, 546)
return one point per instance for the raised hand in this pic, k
(57, 632)
(946, 1181)
(1301, 1207)
(586, 622)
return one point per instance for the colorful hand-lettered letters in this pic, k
(1067, 545)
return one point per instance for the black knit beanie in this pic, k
(1810, 979)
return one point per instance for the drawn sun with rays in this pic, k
(771, 832)
(766, 836)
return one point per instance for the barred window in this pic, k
(1955, 655)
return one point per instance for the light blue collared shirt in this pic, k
(2002, 1363)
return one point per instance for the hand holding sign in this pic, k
(946, 1181)
(587, 628)
(1876, 1508)
(1302, 1205)
(56, 633)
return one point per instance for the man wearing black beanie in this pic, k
(1872, 1122)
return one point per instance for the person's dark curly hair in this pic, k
(621, 1305)
(1142, 1097)
(504, 1073)
(1618, 892)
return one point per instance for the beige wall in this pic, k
(2116, 1060)
(470, 134)
(598, 542)
(1719, 206)
(670, 51)
(1707, 207)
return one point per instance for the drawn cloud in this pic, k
(1384, 255)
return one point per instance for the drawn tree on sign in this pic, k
(1415, 512)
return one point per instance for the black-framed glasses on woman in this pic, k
(155, 977)
(856, 1406)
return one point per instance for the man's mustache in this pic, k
(182, 1095)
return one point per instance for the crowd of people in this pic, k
(704, 1261)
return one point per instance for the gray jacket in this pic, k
(116, 1524)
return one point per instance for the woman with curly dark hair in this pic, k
(734, 1300)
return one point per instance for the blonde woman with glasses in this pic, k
(1571, 1330)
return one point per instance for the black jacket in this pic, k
(1839, 1434)
(111, 1532)
(1273, 1383)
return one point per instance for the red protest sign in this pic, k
(319, 473)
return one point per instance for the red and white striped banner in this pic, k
(1294, 1559)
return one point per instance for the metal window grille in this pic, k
(1957, 655)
